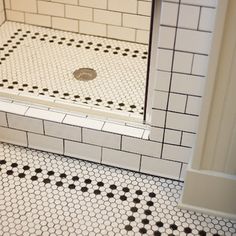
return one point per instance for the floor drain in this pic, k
(85, 74)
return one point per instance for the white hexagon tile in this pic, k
(42, 61)
(47, 194)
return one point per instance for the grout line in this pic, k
(199, 18)
(170, 83)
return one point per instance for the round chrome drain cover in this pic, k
(85, 74)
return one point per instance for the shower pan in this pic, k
(74, 71)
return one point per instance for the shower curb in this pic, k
(107, 142)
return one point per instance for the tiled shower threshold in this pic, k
(37, 66)
(47, 194)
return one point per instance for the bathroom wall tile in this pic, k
(1, 5)
(50, 8)
(167, 37)
(123, 5)
(62, 131)
(15, 16)
(25, 123)
(172, 136)
(140, 146)
(158, 118)
(120, 159)
(156, 134)
(7, 4)
(146, 134)
(45, 143)
(194, 105)
(207, 19)
(181, 121)
(165, 168)
(72, 2)
(2, 17)
(183, 62)
(13, 136)
(144, 8)
(94, 3)
(3, 119)
(142, 36)
(200, 65)
(45, 114)
(166, 59)
(36, 19)
(169, 13)
(183, 171)
(24, 5)
(209, 3)
(188, 139)
(121, 33)
(163, 80)
(100, 138)
(187, 84)
(161, 100)
(83, 122)
(107, 17)
(136, 21)
(80, 13)
(83, 151)
(193, 41)
(65, 24)
(121, 129)
(176, 153)
(92, 28)
(11, 107)
(188, 16)
(177, 102)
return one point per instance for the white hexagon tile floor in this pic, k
(41, 61)
(47, 194)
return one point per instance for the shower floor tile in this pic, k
(47, 194)
(41, 61)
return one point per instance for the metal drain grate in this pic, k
(85, 74)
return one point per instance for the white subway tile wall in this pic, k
(182, 67)
(2, 13)
(184, 47)
(124, 19)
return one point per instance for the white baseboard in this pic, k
(209, 192)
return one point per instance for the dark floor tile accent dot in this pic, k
(202, 233)
(131, 218)
(63, 175)
(9, 172)
(123, 198)
(59, 183)
(71, 186)
(21, 175)
(38, 170)
(159, 224)
(187, 230)
(46, 181)
(34, 178)
(75, 178)
(157, 233)
(173, 227)
(128, 227)
(26, 167)
(142, 231)
(145, 221)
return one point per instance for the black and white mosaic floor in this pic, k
(47, 194)
(41, 61)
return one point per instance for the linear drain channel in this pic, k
(85, 74)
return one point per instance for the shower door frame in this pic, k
(152, 59)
